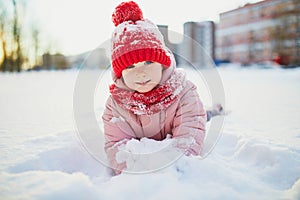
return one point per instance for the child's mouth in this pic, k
(143, 83)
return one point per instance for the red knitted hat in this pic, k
(135, 39)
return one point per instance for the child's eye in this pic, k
(148, 62)
(130, 67)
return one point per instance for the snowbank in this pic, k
(257, 156)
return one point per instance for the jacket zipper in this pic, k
(141, 125)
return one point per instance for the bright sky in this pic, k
(75, 26)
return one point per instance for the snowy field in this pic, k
(256, 157)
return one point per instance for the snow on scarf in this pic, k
(153, 101)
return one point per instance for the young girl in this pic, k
(150, 97)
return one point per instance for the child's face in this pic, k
(142, 76)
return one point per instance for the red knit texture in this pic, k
(139, 55)
(150, 102)
(134, 41)
(127, 11)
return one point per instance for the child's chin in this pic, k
(144, 90)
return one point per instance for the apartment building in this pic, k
(198, 43)
(263, 31)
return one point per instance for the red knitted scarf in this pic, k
(153, 101)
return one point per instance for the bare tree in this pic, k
(36, 44)
(16, 36)
(3, 65)
(11, 35)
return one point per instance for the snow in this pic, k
(256, 157)
(117, 119)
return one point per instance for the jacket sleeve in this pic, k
(114, 137)
(189, 123)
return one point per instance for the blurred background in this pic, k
(59, 34)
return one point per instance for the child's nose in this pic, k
(141, 72)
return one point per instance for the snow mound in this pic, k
(147, 155)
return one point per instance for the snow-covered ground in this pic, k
(256, 157)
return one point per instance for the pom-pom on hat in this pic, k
(135, 39)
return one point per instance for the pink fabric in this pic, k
(185, 118)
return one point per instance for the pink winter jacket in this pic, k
(183, 119)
